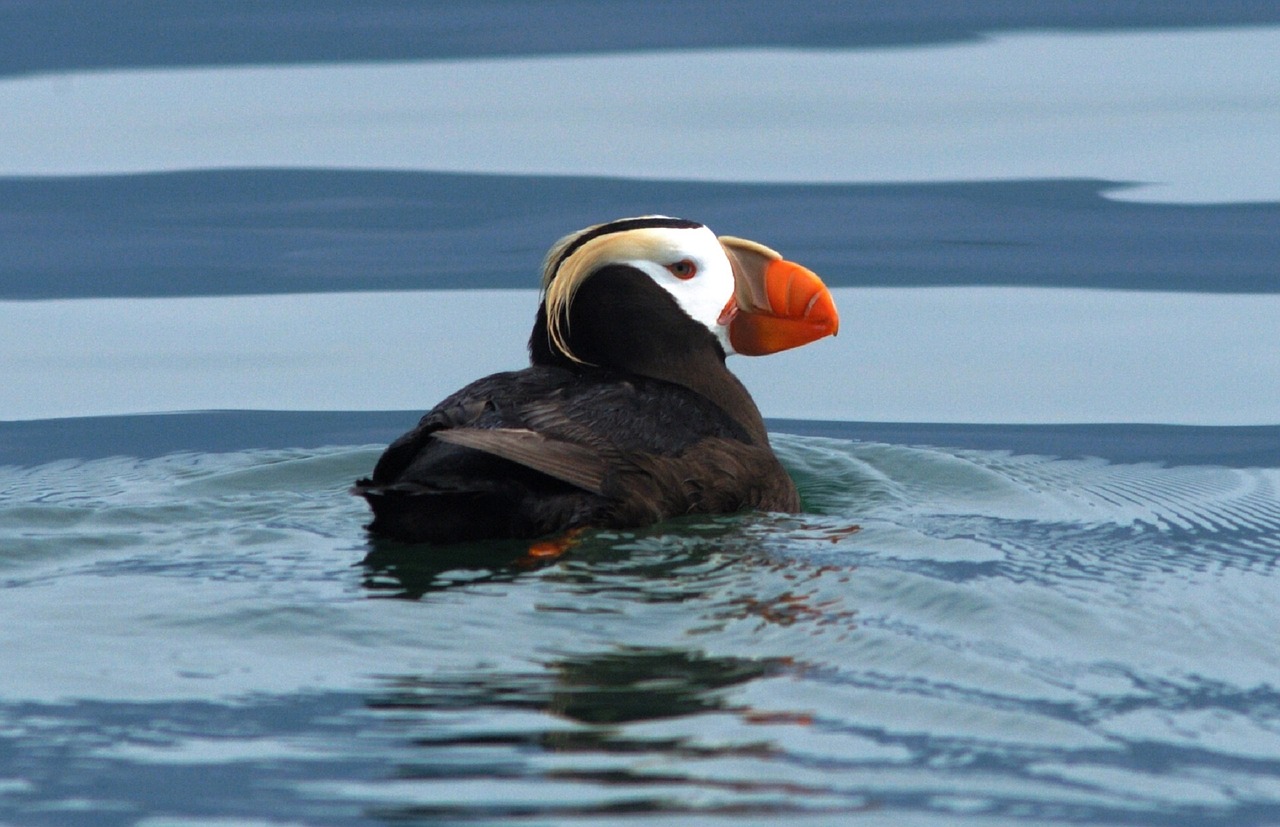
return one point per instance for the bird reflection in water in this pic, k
(393, 569)
(598, 746)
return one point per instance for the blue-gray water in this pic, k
(947, 634)
(1014, 606)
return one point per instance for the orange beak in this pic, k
(777, 304)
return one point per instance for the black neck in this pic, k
(620, 320)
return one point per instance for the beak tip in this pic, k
(791, 307)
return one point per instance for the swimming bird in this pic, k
(627, 414)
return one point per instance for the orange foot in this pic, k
(545, 551)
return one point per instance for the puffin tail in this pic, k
(413, 513)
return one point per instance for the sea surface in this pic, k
(243, 246)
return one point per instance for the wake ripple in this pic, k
(1092, 514)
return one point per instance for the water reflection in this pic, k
(668, 562)
(596, 734)
(630, 685)
(413, 571)
(959, 653)
(596, 745)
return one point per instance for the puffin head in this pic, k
(651, 288)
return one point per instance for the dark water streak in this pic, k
(62, 35)
(246, 232)
(34, 442)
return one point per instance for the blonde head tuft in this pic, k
(576, 256)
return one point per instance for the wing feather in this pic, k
(575, 464)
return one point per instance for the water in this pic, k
(946, 634)
(1035, 579)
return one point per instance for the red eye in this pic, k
(684, 269)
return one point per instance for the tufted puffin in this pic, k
(627, 414)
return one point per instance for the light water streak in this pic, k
(1193, 115)
(963, 354)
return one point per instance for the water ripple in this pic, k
(944, 635)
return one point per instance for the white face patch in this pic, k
(704, 295)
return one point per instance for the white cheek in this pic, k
(703, 297)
